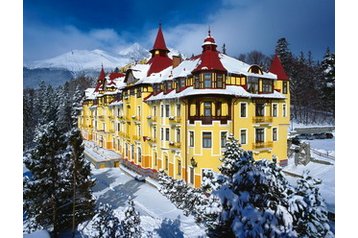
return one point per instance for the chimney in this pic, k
(177, 59)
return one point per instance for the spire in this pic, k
(277, 68)
(100, 80)
(209, 31)
(159, 59)
(159, 43)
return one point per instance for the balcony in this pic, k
(262, 145)
(173, 119)
(101, 117)
(174, 144)
(261, 119)
(205, 120)
(136, 137)
(111, 117)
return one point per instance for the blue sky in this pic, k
(55, 27)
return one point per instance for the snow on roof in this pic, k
(185, 68)
(90, 94)
(237, 91)
(236, 66)
(98, 153)
(157, 77)
(116, 103)
(140, 70)
(120, 82)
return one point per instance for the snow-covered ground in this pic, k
(158, 214)
(325, 172)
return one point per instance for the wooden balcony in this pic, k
(262, 145)
(261, 119)
(205, 120)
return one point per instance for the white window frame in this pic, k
(284, 110)
(276, 133)
(246, 135)
(246, 109)
(192, 146)
(273, 110)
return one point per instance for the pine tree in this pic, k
(131, 223)
(29, 121)
(308, 209)
(328, 80)
(46, 192)
(80, 171)
(105, 224)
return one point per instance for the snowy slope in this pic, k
(82, 60)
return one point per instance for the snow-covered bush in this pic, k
(131, 223)
(105, 224)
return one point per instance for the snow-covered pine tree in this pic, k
(284, 54)
(254, 201)
(83, 203)
(46, 192)
(309, 209)
(105, 224)
(232, 154)
(166, 182)
(131, 223)
(328, 80)
(65, 109)
(29, 121)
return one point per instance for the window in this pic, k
(243, 107)
(219, 81)
(166, 162)
(139, 155)
(260, 109)
(178, 110)
(104, 126)
(267, 86)
(139, 131)
(161, 134)
(207, 109)
(218, 108)
(284, 110)
(131, 91)
(274, 110)
(155, 159)
(132, 151)
(207, 80)
(284, 87)
(138, 112)
(179, 167)
(154, 111)
(118, 126)
(139, 92)
(243, 138)
(167, 134)
(260, 137)
(154, 132)
(223, 138)
(167, 108)
(178, 135)
(274, 134)
(161, 110)
(182, 83)
(206, 139)
(191, 138)
(252, 84)
(196, 81)
(127, 152)
(191, 175)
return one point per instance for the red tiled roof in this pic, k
(277, 68)
(100, 80)
(158, 63)
(159, 43)
(113, 76)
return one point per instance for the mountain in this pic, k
(64, 67)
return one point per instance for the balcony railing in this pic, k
(209, 119)
(136, 137)
(262, 119)
(175, 144)
(261, 145)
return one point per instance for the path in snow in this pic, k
(158, 214)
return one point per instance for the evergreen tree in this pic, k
(29, 121)
(46, 192)
(131, 223)
(65, 109)
(105, 224)
(308, 209)
(328, 80)
(80, 171)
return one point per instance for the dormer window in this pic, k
(284, 87)
(267, 86)
(252, 84)
(196, 81)
(156, 88)
(207, 80)
(219, 81)
(180, 84)
(168, 85)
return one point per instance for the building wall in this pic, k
(173, 152)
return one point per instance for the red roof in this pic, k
(158, 63)
(100, 80)
(113, 76)
(277, 68)
(209, 59)
(159, 43)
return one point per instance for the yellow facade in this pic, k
(184, 135)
